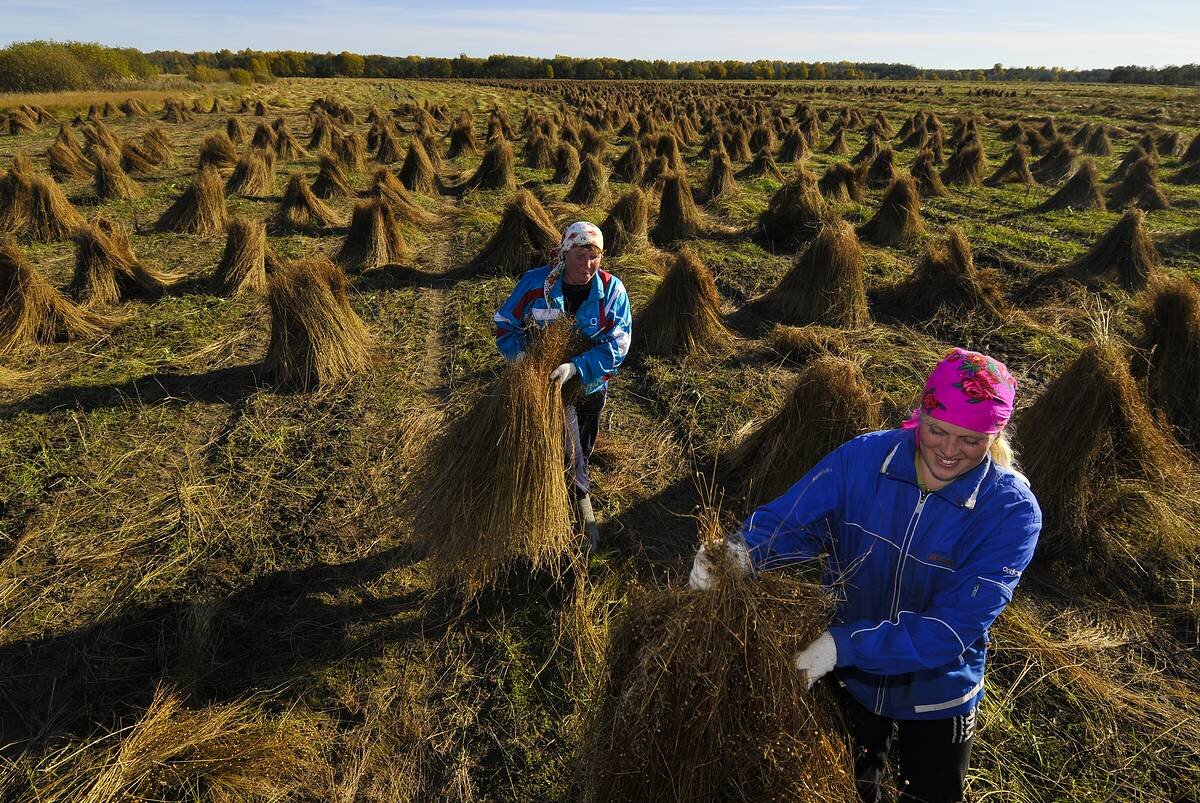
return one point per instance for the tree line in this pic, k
(291, 63)
(48, 66)
(44, 66)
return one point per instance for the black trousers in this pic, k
(933, 753)
(579, 438)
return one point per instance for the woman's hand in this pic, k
(562, 373)
(702, 577)
(817, 659)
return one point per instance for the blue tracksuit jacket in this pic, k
(604, 318)
(919, 577)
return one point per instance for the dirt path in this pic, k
(433, 371)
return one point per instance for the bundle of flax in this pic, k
(491, 489)
(700, 701)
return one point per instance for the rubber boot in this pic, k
(583, 506)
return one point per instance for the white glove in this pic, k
(701, 578)
(517, 360)
(817, 659)
(562, 373)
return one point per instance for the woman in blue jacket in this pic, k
(574, 286)
(925, 532)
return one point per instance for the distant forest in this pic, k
(323, 65)
(48, 66)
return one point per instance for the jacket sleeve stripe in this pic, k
(939, 621)
(1008, 591)
(957, 701)
(524, 301)
(876, 535)
(869, 629)
(919, 616)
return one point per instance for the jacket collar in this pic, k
(554, 294)
(900, 464)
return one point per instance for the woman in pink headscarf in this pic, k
(925, 531)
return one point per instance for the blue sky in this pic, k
(936, 33)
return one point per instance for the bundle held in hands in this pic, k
(699, 699)
(491, 491)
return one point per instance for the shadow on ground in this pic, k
(256, 639)
(218, 386)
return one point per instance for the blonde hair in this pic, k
(1001, 452)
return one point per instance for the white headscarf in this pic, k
(579, 233)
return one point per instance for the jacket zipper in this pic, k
(895, 610)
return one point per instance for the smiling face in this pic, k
(581, 264)
(947, 451)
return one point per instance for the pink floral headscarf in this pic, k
(970, 390)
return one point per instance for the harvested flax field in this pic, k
(273, 519)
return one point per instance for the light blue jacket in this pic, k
(919, 576)
(603, 318)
